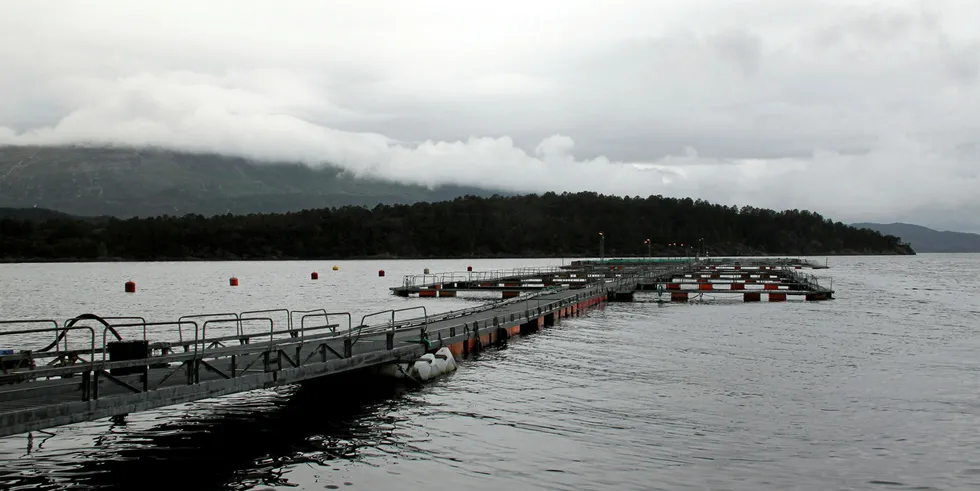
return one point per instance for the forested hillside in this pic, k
(548, 225)
(127, 182)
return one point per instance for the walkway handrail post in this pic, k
(289, 317)
(393, 311)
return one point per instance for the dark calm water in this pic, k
(878, 389)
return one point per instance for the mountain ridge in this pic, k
(127, 182)
(925, 239)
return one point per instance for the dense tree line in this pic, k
(531, 225)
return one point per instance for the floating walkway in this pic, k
(90, 367)
(776, 278)
(511, 281)
(752, 282)
(741, 262)
(89, 371)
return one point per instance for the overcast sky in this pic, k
(858, 110)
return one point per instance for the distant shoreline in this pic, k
(540, 226)
(569, 257)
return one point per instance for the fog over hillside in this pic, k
(858, 110)
(126, 182)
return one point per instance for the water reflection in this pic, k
(876, 389)
(234, 443)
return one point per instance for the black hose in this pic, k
(64, 332)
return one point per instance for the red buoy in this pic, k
(314, 276)
(130, 287)
(233, 281)
(469, 268)
(381, 272)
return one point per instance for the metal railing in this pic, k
(208, 349)
(763, 261)
(194, 334)
(392, 323)
(433, 279)
(12, 361)
(808, 280)
(66, 356)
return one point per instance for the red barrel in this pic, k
(130, 287)
(469, 268)
(314, 276)
(233, 281)
(381, 272)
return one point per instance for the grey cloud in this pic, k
(841, 107)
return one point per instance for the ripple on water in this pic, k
(874, 390)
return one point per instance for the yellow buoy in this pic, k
(335, 268)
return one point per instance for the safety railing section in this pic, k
(36, 326)
(192, 335)
(665, 274)
(71, 345)
(785, 274)
(139, 325)
(215, 320)
(397, 325)
(541, 307)
(394, 325)
(535, 296)
(500, 303)
(619, 269)
(639, 260)
(433, 279)
(33, 349)
(776, 262)
(808, 281)
(103, 348)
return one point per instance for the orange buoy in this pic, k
(314, 276)
(381, 272)
(469, 268)
(233, 281)
(335, 268)
(130, 287)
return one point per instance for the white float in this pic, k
(448, 359)
(429, 366)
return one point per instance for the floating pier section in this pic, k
(750, 281)
(512, 282)
(89, 370)
(92, 367)
(679, 279)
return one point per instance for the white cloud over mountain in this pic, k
(863, 111)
